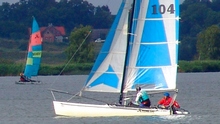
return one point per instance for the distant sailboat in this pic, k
(141, 49)
(33, 56)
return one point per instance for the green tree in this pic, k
(80, 48)
(196, 16)
(15, 18)
(215, 5)
(208, 44)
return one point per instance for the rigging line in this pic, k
(80, 94)
(72, 57)
(74, 95)
(64, 92)
(75, 52)
(95, 99)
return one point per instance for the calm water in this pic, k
(32, 104)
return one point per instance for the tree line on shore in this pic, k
(12, 69)
(199, 23)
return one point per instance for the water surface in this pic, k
(32, 104)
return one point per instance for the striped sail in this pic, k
(149, 52)
(107, 72)
(153, 47)
(34, 51)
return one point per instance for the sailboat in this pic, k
(34, 55)
(141, 49)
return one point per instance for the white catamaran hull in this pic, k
(31, 82)
(92, 110)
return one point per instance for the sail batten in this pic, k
(154, 19)
(149, 43)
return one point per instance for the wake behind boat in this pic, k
(33, 57)
(141, 49)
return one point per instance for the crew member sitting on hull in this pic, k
(142, 99)
(23, 78)
(165, 103)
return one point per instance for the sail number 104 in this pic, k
(161, 9)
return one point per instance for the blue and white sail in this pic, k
(153, 47)
(107, 72)
(146, 56)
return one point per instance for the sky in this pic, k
(112, 4)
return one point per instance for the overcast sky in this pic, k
(112, 4)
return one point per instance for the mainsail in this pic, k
(153, 47)
(34, 51)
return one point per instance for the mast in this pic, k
(131, 13)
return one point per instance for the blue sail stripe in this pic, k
(177, 11)
(177, 49)
(150, 78)
(177, 39)
(154, 32)
(150, 10)
(109, 79)
(35, 27)
(36, 61)
(152, 59)
(37, 48)
(31, 70)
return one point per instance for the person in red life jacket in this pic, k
(165, 103)
(23, 78)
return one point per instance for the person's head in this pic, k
(138, 89)
(166, 94)
(21, 74)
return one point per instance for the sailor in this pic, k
(23, 78)
(165, 102)
(142, 98)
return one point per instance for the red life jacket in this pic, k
(166, 102)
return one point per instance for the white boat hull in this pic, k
(92, 110)
(31, 82)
